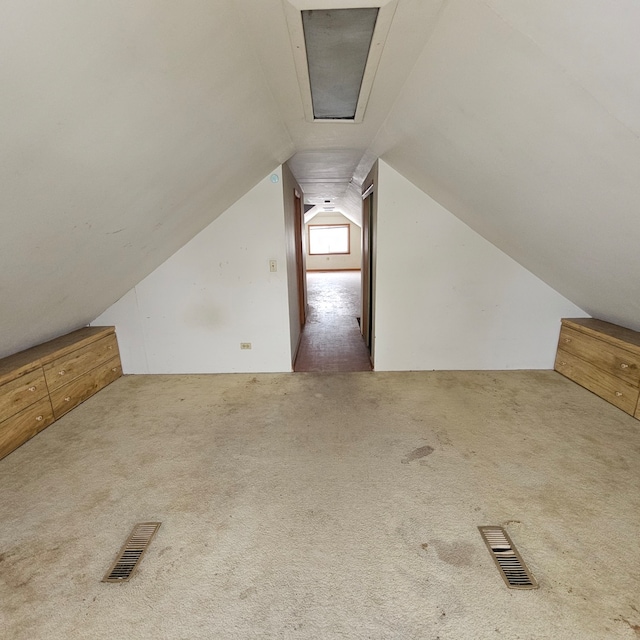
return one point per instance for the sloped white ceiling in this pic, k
(127, 127)
(522, 118)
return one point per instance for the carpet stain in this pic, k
(457, 554)
(634, 627)
(247, 593)
(418, 453)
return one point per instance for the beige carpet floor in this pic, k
(326, 506)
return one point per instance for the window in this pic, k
(327, 239)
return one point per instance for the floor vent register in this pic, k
(131, 553)
(509, 562)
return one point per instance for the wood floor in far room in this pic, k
(331, 339)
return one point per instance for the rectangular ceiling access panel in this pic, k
(337, 43)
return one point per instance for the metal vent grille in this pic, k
(131, 553)
(510, 563)
(337, 42)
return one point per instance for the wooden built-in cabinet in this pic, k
(603, 358)
(41, 384)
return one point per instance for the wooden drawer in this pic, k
(24, 425)
(63, 370)
(21, 392)
(603, 384)
(619, 336)
(608, 357)
(72, 394)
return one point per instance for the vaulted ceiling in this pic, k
(126, 128)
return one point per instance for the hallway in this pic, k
(331, 339)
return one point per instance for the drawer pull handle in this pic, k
(567, 340)
(563, 363)
(114, 369)
(61, 373)
(38, 418)
(32, 388)
(619, 394)
(67, 399)
(110, 347)
(624, 366)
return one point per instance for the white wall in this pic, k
(448, 299)
(192, 312)
(445, 297)
(335, 262)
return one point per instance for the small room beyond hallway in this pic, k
(331, 338)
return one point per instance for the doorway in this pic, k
(300, 269)
(368, 245)
(331, 339)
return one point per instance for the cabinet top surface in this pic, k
(19, 363)
(620, 336)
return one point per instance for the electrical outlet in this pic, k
(245, 345)
(273, 265)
